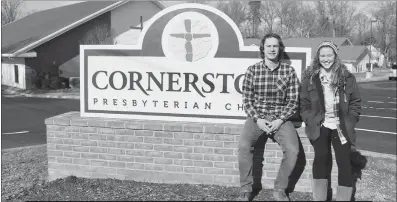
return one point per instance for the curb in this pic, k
(383, 78)
(25, 147)
(72, 97)
(377, 155)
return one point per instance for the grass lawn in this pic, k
(24, 173)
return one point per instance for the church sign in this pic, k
(188, 65)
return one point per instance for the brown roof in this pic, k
(351, 53)
(314, 42)
(31, 29)
(300, 42)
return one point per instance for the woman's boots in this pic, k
(344, 193)
(320, 191)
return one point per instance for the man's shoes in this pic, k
(280, 195)
(244, 196)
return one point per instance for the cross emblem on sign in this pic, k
(189, 36)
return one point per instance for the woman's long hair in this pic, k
(338, 69)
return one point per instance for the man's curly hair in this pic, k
(280, 43)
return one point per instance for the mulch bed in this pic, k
(81, 189)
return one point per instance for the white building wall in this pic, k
(350, 67)
(361, 65)
(127, 15)
(8, 72)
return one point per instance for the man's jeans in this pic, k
(286, 137)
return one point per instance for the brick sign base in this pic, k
(161, 152)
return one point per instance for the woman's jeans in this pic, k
(322, 152)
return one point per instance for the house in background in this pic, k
(354, 57)
(49, 40)
(376, 56)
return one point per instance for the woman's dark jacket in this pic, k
(312, 107)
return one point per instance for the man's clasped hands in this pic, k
(269, 126)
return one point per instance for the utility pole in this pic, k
(255, 5)
(370, 46)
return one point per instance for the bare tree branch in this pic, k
(10, 11)
(269, 13)
(385, 14)
(235, 9)
(100, 34)
(197, 1)
(361, 23)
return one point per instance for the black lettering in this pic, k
(224, 83)
(185, 105)
(95, 100)
(137, 82)
(192, 83)
(208, 105)
(124, 102)
(176, 104)
(94, 80)
(237, 84)
(171, 81)
(115, 102)
(111, 80)
(240, 107)
(134, 103)
(165, 104)
(195, 105)
(209, 83)
(227, 106)
(155, 102)
(105, 101)
(144, 102)
(156, 81)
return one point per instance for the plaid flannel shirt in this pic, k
(270, 94)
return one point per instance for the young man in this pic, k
(270, 97)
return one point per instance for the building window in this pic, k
(16, 73)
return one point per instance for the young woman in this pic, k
(330, 106)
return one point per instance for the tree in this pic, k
(254, 16)
(99, 34)
(10, 11)
(268, 15)
(296, 18)
(385, 14)
(197, 1)
(335, 18)
(235, 9)
(306, 21)
(361, 23)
